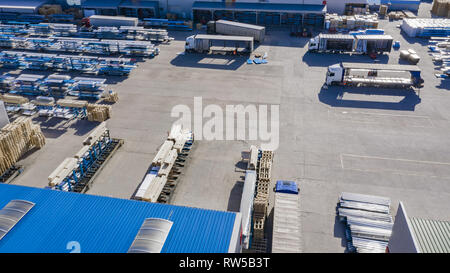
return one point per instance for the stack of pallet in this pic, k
(441, 8)
(396, 15)
(16, 139)
(112, 97)
(98, 112)
(383, 10)
(261, 200)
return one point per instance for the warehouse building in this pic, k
(260, 13)
(416, 235)
(133, 8)
(21, 7)
(394, 5)
(61, 222)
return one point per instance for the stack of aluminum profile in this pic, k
(107, 33)
(90, 88)
(368, 222)
(426, 27)
(64, 29)
(440, 52)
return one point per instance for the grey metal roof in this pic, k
(374, 37)
(433, 236)
(23, 4)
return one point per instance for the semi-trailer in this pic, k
(374, 75)
(346, 43)
(112, 21)
(225, 27)
(204, 43)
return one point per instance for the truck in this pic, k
(205, 43)
(246, 207)
(111, 21)
(225, 27)
(346, 43)
(374, 75)
(286, 236)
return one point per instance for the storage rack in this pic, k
(90, 163)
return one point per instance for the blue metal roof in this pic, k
(139, 4)
(23, 3)
(107, 225)
(269, 7)
(101, 4)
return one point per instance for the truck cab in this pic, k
(190, 43)
(313, 44)
(334, 74)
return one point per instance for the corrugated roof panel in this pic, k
(433, 236)
(94, 4)
(107, 225)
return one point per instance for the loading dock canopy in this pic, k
(381, 66)
(101, 4)
(260, 7)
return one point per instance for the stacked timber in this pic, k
(50, 9)
(62, 171)
(13, 99)
(441, 8)
(383, 10)
(72, 103)
(16, 139)
(98, 112)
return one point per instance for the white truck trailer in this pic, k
(345, 43)
(204, 43)
(286, 237)
(374, 75)
(112, 21)
(225, 27)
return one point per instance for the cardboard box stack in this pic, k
(336, 21)
(16, 139)
(50, 9)
(441, 8)
(98, 112)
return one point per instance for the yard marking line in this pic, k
(342, 162)
(397, 172)
(399, 159)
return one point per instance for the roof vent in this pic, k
(151, 236)
(11, 214)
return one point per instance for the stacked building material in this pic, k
(160, 181)
(344, 22)
(368, 221)
(441, 8)
(16, 139)
(426, 27)
(111, 97)
(98, 112)
(263, 160)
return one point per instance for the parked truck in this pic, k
(374, 75)
(286, 237)
(203, 43)
(346, 43)
(225, 27)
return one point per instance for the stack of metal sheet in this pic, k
(368, 221)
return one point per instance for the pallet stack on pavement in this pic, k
(16, 139)
(98, 112)
(261, 200)
(112, 97)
